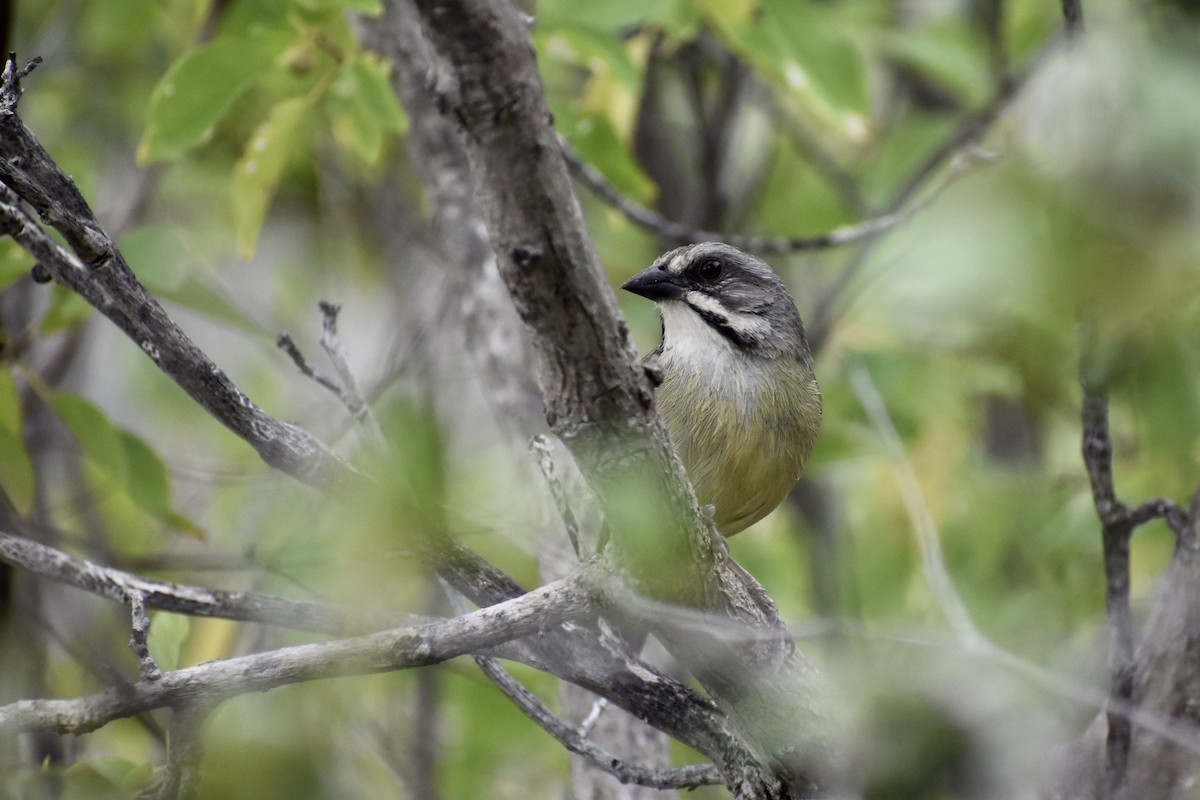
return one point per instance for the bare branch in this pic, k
(400, 648)
(100, 275)
(287, 344)
(140, 631)
(184, 751)
(176, 597)
(1116, 531)
(1129, 672)
(601, 405)
(683, 234)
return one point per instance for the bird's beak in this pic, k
(654, 283)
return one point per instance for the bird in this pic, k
(737, 391)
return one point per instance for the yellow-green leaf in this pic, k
(257, 173)
(362, 108)
(200, 87)
(97, 437)
(167, 635)
(130, 465)
(14, 262)
(16, 470)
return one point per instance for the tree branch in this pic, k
(175, 597)
(576, 655)
(687, 777)
(598, 402)
(400, 648)
(100, 275)
(679, 233)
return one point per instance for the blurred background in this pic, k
(249, 154)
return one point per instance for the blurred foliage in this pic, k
(251, 150)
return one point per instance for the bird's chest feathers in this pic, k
(732, 405)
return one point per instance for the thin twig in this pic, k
(589, 722)
(287, 344)
(139, 635)
(544, 451)
(684, 777)
(952, 149)
(1116, 530)
(178, 598)
(350, 393)
(840, 179)
(677, 232)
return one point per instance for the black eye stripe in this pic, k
(722, 326)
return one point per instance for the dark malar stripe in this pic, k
(722, 326)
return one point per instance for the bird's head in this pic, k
(711, 287)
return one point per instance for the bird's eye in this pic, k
(709, 270)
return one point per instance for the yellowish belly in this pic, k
(743, 450)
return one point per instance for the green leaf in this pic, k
(148, 484)
(163, 261)
(130, 464)
(14, 262)
(201, 86)
(257, 173)
(594, 138)
(67, 310)
(168, 632)
(100, 778)
(362, 107)
(590, 46)
(369, 7)
(944, 53)
(611, 16)
(98, 438)
(798, 46)
(16, 469)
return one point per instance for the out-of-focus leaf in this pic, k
(149, 485)
(250, 15)
(679, 21)
(105, 778)
(201, 86)
(97, 436)
(370, 7)
(594, 138)
(14, 262)
(799, 47)
(362, 107)
(258, 171)
(599, 51)
(167, 635)
(163, 262)
(131, 466)
(67, 310)
(16, 470)
(318, 11)
(946, 54)
(610, 17)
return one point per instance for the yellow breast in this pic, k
(744, 438)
